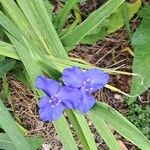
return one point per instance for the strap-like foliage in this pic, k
(121, 125)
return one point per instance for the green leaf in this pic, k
(6, 65)
(104, 131)
(49, 7)
(121, 125)
(9, 126)
(6, 143)
(114, 22)
(97, 17)
(63, 13)
(116, 19)
(35, 142)
(8, 50)
(66, 138)
(141, 45)
(51, 36)
(92, 38)
(10, 27)
(25, 56)
(2, 58)
(28, 10)
(5, 93)
(82, 130)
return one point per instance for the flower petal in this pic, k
(50, 113)
(73, 77)
(44, 102)
(48, 86)
(87, 102)
(99, 78)
(70, 97)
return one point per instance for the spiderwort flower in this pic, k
(87, 82)
(56, 98)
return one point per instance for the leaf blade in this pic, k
(74, 37)
(121, 125)
(141, 45)
(82, 130)
(104, 131)
(6, 65)
(11, 129)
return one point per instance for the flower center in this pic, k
(87, 85)
(54, 101)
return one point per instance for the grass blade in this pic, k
(50, 33)
(6, 65)
(25, 56)
(9, 125)
(66, 138)
(30, 15)
(82, 130)
(74, 37)
(10, 27)
(62, 15)
(8, 50)
(104, 131)
(6, 143)
(121, 125)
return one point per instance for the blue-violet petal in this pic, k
(98, 79)
(48, 86)
(49, 112)
(87, 102)
(70, 97)
(73, 77)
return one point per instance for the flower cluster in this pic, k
(74, 94)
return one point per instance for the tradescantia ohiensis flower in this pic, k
(75, 95)
(87, 82)
(56, 98)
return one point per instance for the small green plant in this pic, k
(140, 117)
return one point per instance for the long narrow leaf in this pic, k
(12, 9)
(7, 144)
(104, 131)
(82, 130)
(5, 66)
(25, 56)
(66, 138)
(8, 50)
(9, 125)
(74, 37)
(10, 27)
(121, 125)
(62, 15)
(29, 13)
(49, 30)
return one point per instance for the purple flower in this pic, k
(87, 81)
(57, 98)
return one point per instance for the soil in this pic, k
(110, 52)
